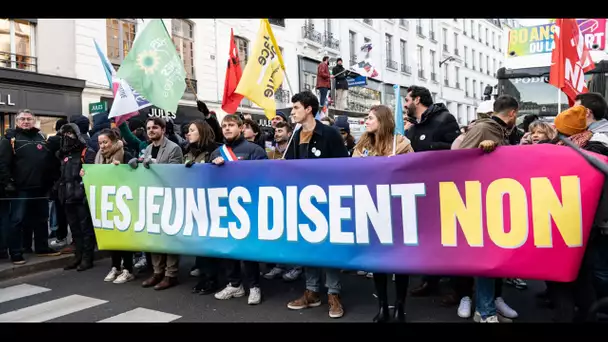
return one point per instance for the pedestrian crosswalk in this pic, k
(72, 304)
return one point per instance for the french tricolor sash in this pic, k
(227, 153)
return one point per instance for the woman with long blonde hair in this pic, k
(379, 140)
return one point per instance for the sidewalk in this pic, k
(38, 264)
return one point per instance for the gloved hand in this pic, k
(133, 163)
(189, 163)
(147, 163)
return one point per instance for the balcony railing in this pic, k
(15, 61)
(419, 31)
(466, 93)
(331, 42)
(457, 85)
(432, 36)
(406, 69)
(368, 22)
(404, 23)
(456, 52)
(446, 82)
(277, 22)
(282, 96)
(445, 47)
(474, 95)
(433, 76)
(308, 32)
(421, 74)
(191, 83)
(392, 64)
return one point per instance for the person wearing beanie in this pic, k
(83, 124)
(211, 119)
(572, 123)
(344, 128)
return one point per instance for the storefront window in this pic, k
(6, 123)
(46, 124)
(362, 99)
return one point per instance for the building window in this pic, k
(444, 33)
(445, 75)
(472, 29)
(328, 26)
(403, 50)
(456, 52)
(474, 88)
(481, 62)
(242, 46)
(368, 22)
(487, 37)
(466, 86)
(499, 43)
(488, 65)
(473, 59)
(120, 36)
(493, 40)
(432, 60)
(466, 59)
(17, 45)
(277, 22)
(183, 38)
(479, 32)
(388, 40)
(457, 76)
(352, 41)
(420, 57)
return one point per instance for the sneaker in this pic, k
(273, 273)
(124, 277)
(519, 284)
(369, 275)
(361, 273)
(491, 319)
(58, 244)
(255, 296)
(335, 307)
(504, 309)
(112, 275)
(18, 260)
(308, 300)
(464, 309)
(141, 262)
(292, 274)
(195, 272)
(230, 292)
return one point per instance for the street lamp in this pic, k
(441, 81)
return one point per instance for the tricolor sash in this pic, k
(227, 153)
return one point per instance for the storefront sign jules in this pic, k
(98, 107)
(160, 113)
(6, 100)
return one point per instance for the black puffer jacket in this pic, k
(340, 77)
(70, 188)
(30, 159)
(436, 130)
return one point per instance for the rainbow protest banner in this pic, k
(532, 40)
(523, 211)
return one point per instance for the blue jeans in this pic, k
(323, 97)
(52, 215)
(485, 296)
(332, 279)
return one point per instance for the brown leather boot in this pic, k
(153, 280)
(166, 283)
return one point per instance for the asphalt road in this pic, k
(69, 296)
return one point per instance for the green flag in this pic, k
(154, 68)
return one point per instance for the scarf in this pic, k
(116, 153)
(580, 139)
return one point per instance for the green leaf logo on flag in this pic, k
(154, 68)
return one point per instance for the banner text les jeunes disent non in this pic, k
(453, 212)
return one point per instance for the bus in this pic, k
(525, 75)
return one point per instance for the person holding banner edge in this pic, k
(236, 148)
(378, 141)
(315, 140)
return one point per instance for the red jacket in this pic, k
(323, 80)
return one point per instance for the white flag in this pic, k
(125, 101)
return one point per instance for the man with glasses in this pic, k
(29, 161)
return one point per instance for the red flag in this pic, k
(570, 59)
(231, 100)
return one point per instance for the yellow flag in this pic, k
(262, 75)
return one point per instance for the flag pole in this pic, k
(559, 100)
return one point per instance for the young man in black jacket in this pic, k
(315, 140)
(236, 148)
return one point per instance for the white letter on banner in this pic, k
(123, 193)
(337, 213)
(409, 214)
(217, 212)
(239, 212)
(93, 206)
(379, 216)
(153, 208)
(141, 223)
(291, 209)
(313, 213)
(196, 210)
(106, 205)
(274, 233)
(178, 219)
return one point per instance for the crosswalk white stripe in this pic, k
(19, 291)
(52, 309)
(142, 315)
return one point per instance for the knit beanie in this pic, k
(571, 121)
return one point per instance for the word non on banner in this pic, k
(532, 40)
(523, 211)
